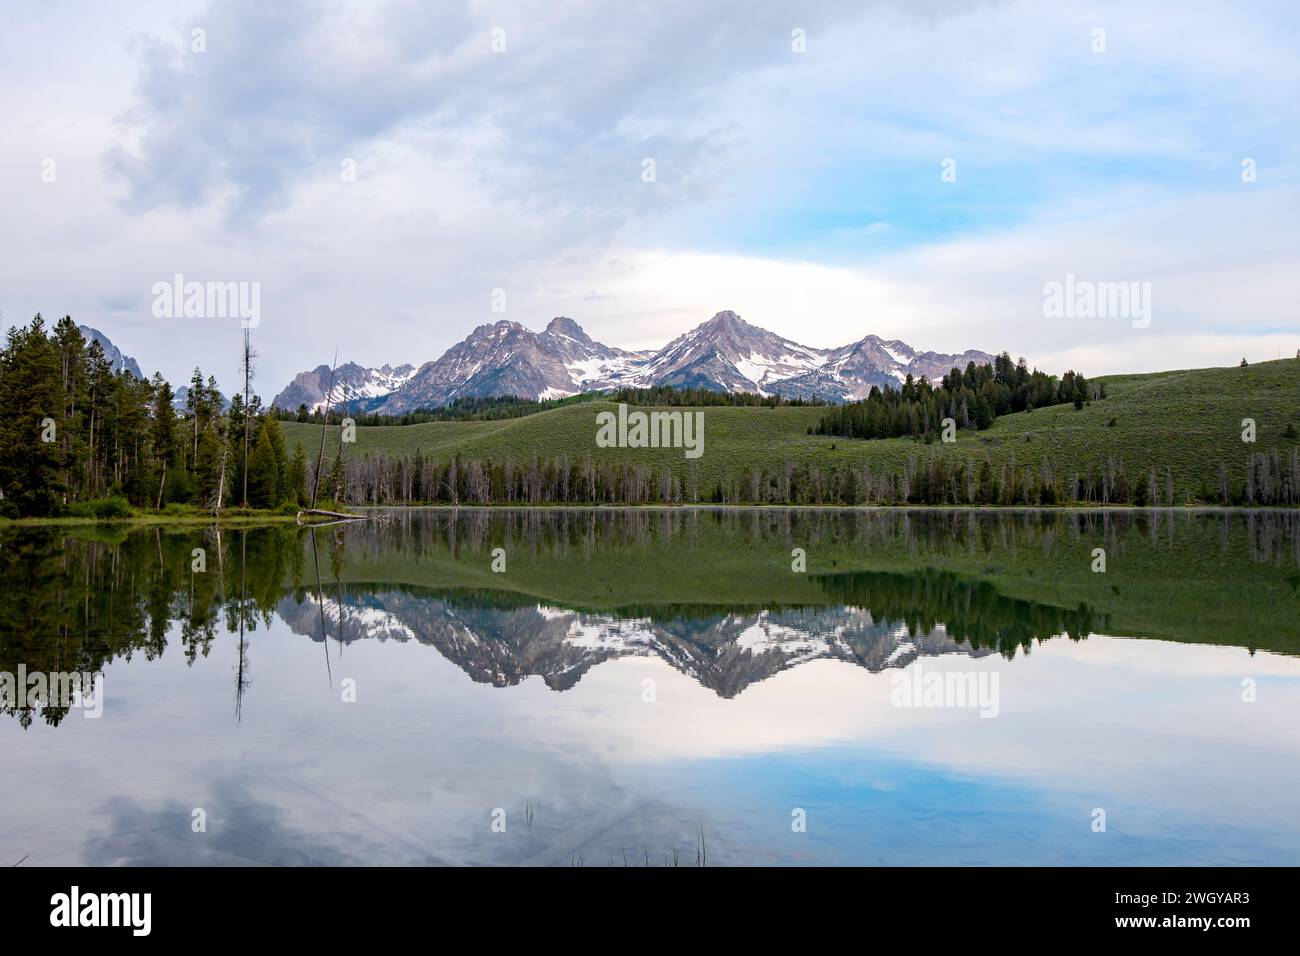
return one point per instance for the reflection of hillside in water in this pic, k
(886, 620)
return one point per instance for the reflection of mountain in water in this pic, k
(886, 621)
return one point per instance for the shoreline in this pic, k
(361, 511)
(145, 520)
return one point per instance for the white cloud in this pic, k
(801, 190)
(1220, 269)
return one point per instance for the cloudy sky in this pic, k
(799, 154)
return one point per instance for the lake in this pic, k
(665, 687)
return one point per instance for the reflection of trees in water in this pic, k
(1271, 536)
(73, 602)
(970, 612)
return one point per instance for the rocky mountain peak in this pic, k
(563, 325)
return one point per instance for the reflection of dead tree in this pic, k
(320, 602)
(221, 565)
(342, 597)
(241, 679)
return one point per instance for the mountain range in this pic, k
(723, 354)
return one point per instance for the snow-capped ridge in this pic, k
(725, 353)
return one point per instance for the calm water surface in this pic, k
(657, 687)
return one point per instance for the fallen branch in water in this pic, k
(330, 514)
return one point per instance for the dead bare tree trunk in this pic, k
(320, 459)
(248, 375)
(221, 479)
(162, 483)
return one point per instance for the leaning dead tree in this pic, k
(325, 421)
(320, 459)
(221, 478)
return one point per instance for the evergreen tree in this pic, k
(74, 386)
(295, 477)
(32, 463)
(101, 386)
(337, 481)
(265, 466)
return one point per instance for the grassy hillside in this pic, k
(1188, 421)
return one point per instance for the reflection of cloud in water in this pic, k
(412, 772)
(1121, 726)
